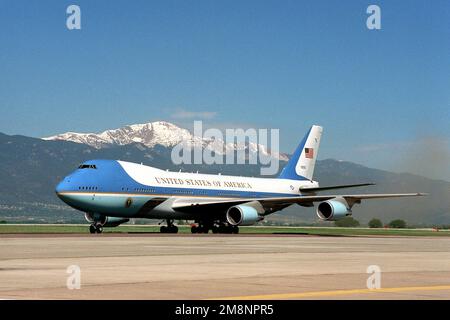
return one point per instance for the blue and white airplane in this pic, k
(112, 192)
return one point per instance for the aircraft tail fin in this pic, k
(302, 163)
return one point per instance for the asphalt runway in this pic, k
(220, 267)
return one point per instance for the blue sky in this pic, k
(383, 96)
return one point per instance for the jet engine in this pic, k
(332, 210)
(242, 215)
(104, 221)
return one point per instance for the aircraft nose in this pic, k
(62, 186)
(59, 187)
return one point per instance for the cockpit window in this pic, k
(87, 166)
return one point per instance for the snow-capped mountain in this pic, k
(148, 134)
(160, 133)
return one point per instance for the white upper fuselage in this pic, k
(247, 186)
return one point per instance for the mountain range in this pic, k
(31, 167)
(165, 134)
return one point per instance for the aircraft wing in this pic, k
(218, 204)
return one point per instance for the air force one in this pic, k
(112, 192)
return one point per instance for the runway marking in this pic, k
(318, 294)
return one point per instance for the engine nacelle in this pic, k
(242, 215)
(104, 221)
(332, 210)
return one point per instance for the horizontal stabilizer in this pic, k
(336, 187)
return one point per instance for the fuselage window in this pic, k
(87, 166)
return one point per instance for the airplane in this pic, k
(111, 192)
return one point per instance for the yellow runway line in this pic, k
(320, 294)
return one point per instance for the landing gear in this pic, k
(226, 229)
(170, 228)
(95, 228)
(199, 229)
(215, 228)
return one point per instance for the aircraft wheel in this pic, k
(205, 230)
(173, 229)
(235, 229)
(202, 229)
(194, 229)
(99, 229)
(163, 229)
(215, 229)
(92, 229)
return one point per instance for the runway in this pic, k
(221, 267)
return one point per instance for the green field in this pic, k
(43, 228)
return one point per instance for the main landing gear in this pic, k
(95, 228)
(170, 228)
(216, 228)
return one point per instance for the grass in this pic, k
(52, 228)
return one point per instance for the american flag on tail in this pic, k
(309, 153)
